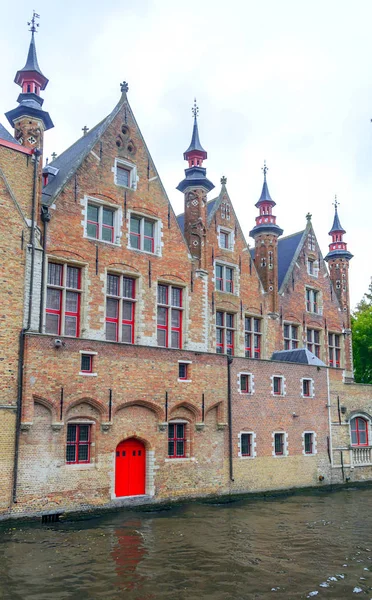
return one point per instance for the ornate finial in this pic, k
(308, 216)
(335, 203)
(85, 130)
(54, 155)
(223, 180)
(265, 169)
(124, 87)
(195, 109)
(33, 25)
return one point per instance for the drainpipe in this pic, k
(45, 217)
(229, 412)
(37, 154)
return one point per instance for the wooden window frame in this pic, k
(309, 442)
(282, 444)
(334, 350)
(313, 301)
(176, 439)
(252, 334)
(307, 383)
(169, 309)
(223, 347)
(121, 299)
(280, 379)
(249, 438)
(63, 290)
(311, 344)
(82, 358)
(290, 342)
(224, 283)
(356, 430)
(99, 224)
(77, 443)
(183, 369)
(245, 383)
(140, 235)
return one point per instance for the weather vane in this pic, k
(195, 109)
(33, 23)
(265, 169)
(336, 202)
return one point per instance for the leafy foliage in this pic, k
(361, 324)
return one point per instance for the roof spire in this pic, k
(195, 109)
(336, 227)
(265, 194)
(265, 220)
(33, 23)
(337, 248)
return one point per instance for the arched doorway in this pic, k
(130, 468)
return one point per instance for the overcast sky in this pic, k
(288, 81)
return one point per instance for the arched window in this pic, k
(359, 431)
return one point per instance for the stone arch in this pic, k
(159, 412)
(195, 411)
(218, 406)
(47, 404)
(131, 433)
(90, 401)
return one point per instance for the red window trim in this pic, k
(306, 382)
(247, 389)
(356, 420)
(120, 299)
(186, 365)
(90, 370)
(249, 435)
(141, 235)
(311, 451)
(63, 289)
(169, 307)
(251, 333)
(175, 439)
(223, 328)
(100, 225)
(282, 444)
(77, 442)
(280, 379)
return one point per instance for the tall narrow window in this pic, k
(142, 234)
(307, 387)
(278, 386)
(120, 308)
(224, 278)
(169, 316)
(334, 349)
(176, 440)
(225, 239)
(313, 341)
(246, 444)
(279, 444)
(312, 301)
(78, 444)
(246, 383)
(63, 300)
(252, 337)
(309, 442)
(359, 431)
(100, 223)
(122, 175)
(290, 336)
(224, 333)
(311, 242)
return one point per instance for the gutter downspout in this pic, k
(45, 217)
(229, 412)
(37, 154)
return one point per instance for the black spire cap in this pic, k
(336, 224)
(31, 65)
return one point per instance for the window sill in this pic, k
(143, 251)
(308, 453)
(184, 380)
(246, 457)
(180, 460)
(280, 455)
(88, 374)
(116, 244)
(245, 393)
(81, 467)
(278, 395)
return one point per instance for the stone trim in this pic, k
(253, 446)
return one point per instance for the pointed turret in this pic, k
(28, 118)
(265, 234)
(337, 248)
(195, 187)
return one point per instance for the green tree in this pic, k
(361, 325)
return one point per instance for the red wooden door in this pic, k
(130, 468)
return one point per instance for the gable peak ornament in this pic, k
(124, 87)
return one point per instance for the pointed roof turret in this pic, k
(195, 175)
(336, 221)
(265, 194)
(31, 66)
(337, 248)
(265, 221)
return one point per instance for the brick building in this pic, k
(160, 357)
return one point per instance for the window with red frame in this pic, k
(279, 444)
(142, 234)
(224, 239)
(307, 387)
(278, 386)
(63, 300)
(183, 370)
(245, 383)
(169, 316)
(224, 333)
(120, 308)
(252, 337)
(224, 278)
(246, 444)
(334, 349)
(100, 223)
(176, 440)
(313, 341)
(86, 363)
(290, 336)
(359, 431)
(78, 444)
(309, 443)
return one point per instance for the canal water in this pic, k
(305, 546)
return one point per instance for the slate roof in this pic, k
(5, 135)
(69, 161)
(300, 356)
(32, 64)
(195, 142)
(265, 194)
(181, 217)
(336, 225)
(287, 247)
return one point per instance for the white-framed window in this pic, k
(334, 349)
(88, 363)
(278, 385)
(245, 383)
(125, 174)
(309, 443)
(313, 341)
(279, 443)
(312, 267)
(184, 370)
(225, 238)
(307, 387)
(291, 336)
(313, 301)
(225, 275)
(144, 233)
(102, 222)
(247, 444)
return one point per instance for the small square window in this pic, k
(278, 386)
(86, 363)
(125, 174)
(245, 384)
(183, 371)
